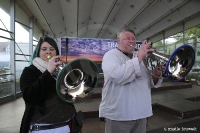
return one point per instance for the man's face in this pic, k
(45, 50)
(127, 42)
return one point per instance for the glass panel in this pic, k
(192, 37)
(21, 47)
(5, 89)
(22, 39)
(35, 42)
(5, 34)
(4, 20)
(4, 55)
(34, 45)
(19, 68)
(22, 58)
(4, 23)
(159, 46)
(4, 48)
(4, 77)
(173, 42)
(5, 85)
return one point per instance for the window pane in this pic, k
(19, 68)
(4, 20)
(192, 37)
(5, 78)
(159, 46)
(5, 89)
(22, 58)
(5, 34)
(5, 86)
(173, 42)
(4, 53)
(22, 39)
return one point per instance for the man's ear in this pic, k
(118, 40)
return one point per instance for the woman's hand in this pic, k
(53, 63)
(144, 49)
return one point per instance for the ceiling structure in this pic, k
(104, 18)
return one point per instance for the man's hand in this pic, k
(144, 49)
(159, 71)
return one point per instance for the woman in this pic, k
(44, 112)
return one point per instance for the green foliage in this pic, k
(158, 45)
(193, 76)
(193, 33)
(4, 69)
(197, 63)
(178, 36)
(17, 80)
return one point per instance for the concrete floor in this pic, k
(11, 114)
(158, 120)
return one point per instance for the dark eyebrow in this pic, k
(46, 47)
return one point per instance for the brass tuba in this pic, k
(76, 80)
(178, 64)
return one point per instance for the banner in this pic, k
(90, 48)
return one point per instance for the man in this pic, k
(126, 95)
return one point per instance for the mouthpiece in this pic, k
(48, 57)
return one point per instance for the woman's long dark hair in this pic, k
(51, 41)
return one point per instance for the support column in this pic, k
(164, 41)
(31, 30)
(12, 49)
(183, 32)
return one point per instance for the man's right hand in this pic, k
(144, 49)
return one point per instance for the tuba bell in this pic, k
(178, 64)
(76, 80)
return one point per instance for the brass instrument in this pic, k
(76, 80)
(178, 64)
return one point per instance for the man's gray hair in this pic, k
(119, 34)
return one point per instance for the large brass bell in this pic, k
(77, 80)
(178, 64)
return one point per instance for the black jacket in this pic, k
(36, 88)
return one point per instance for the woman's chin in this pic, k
(45, 59)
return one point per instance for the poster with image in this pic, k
(90, 48)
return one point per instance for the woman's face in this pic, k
(45, 50)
